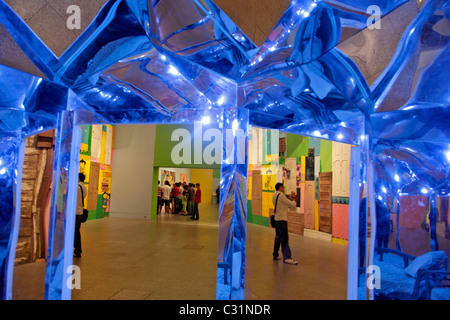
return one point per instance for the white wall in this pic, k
(132, 171)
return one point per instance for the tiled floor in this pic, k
(174, 258)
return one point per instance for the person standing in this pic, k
(81, 194)
(158, 204)
(191, 196)
(176, 197)
(281, 204)
(166, 191)
(197, 200)
(184, 202)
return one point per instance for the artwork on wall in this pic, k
(309, 169)
(167, 175)
(104, 186)
(269, 177)
(85, 139)
(85, 164)
(96, 142)
(108, 145)
(183, 177)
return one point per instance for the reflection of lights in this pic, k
(424, 190)
(221, 100)
(2, 171)
(206, 120)
(396, 178)
(163, 58)
(235, 126)
(384, 189)
(380, 198)
(304, 13)
(340, 136)
(447, 154)
(173, 70)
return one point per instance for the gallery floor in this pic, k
(174, 258)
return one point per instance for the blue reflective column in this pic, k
(233, 206)
(357, 250)
(12, 149)
(62, 210)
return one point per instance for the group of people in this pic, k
(180, 198)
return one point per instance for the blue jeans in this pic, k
(281, 238)
(190, 207)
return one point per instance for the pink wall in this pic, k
(340, 221)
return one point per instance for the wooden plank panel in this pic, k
(325, 203)
(93, 186)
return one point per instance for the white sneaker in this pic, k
(290, 261)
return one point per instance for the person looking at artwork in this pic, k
(184, 202)
(176, 199)
(281, 204)
(190, 199)
(81, 194)
(197, 200)
(165, 197)
(158, 204)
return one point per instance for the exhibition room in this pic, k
(145, 147)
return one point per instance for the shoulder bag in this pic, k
(272, 217)
(84, 217)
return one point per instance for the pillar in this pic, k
(233, 206)
(62, 209)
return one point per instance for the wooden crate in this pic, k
(296, 222)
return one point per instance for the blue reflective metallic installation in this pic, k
(167, 61)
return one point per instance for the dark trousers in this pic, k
(195, 215)
(190, 207)
(281, 239)
(77, 238)
(383, 230)
(177, 204)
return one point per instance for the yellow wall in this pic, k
(205, 178)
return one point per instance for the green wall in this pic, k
(296, 146)
(325, 155)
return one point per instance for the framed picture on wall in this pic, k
(168, 175)
(183, 177)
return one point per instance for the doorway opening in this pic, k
(318, 172)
